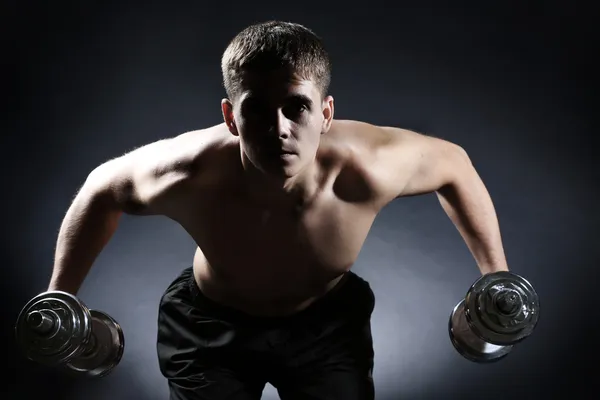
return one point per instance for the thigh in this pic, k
(214, 383)
(342, 370)
(329, 355)
(197, 351)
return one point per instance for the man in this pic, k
(279, 198)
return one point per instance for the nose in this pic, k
(281, 126)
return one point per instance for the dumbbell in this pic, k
(499, 310)
(56, 329)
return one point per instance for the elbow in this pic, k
(98, 200)
(99, 190)
(461, 166)
(114, 191)
(459, 170)
(461, 155)
(100, 177)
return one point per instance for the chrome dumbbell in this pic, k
(57, 329)
(500, 310)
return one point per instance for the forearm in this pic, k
(87, 227)
(469, 205)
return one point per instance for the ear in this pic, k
(227, 110)
(328, 109)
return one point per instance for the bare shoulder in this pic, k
(379, 159)
(140, 179)
(182, 153)
(348, 149)
(359, 144)
(366, 138)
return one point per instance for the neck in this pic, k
(269, 190)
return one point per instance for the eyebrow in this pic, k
(302, 98)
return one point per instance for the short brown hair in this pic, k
(271, 45)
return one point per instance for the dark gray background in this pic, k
(510, 82)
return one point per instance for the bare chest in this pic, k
(273, 249)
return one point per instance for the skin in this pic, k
(275, 232)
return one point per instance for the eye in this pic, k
(254, 110)
(295, 109)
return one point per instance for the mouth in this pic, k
(278, 156)
(279, 152)
(284, 156)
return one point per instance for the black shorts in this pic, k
(209, 351)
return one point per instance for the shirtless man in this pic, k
(279, 198)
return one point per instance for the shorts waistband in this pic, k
(234, 314)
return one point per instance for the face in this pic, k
(279, 119)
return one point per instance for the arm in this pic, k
(131, 184)
(414, 164)
(90, 222)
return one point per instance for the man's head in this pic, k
(276, 75)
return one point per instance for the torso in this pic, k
(269, 261)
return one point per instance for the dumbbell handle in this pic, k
(42, 321)
(508, 302)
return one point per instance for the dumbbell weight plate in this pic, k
(508, 330)
(105, 349)
(468, 344)
(52, 327)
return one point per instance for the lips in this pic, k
(279, 152)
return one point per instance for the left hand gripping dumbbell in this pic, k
(55, 328)
(500, 310)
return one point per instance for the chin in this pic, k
(281, 172)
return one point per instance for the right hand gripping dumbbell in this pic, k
(56, 328)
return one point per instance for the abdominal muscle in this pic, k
(276, 291)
